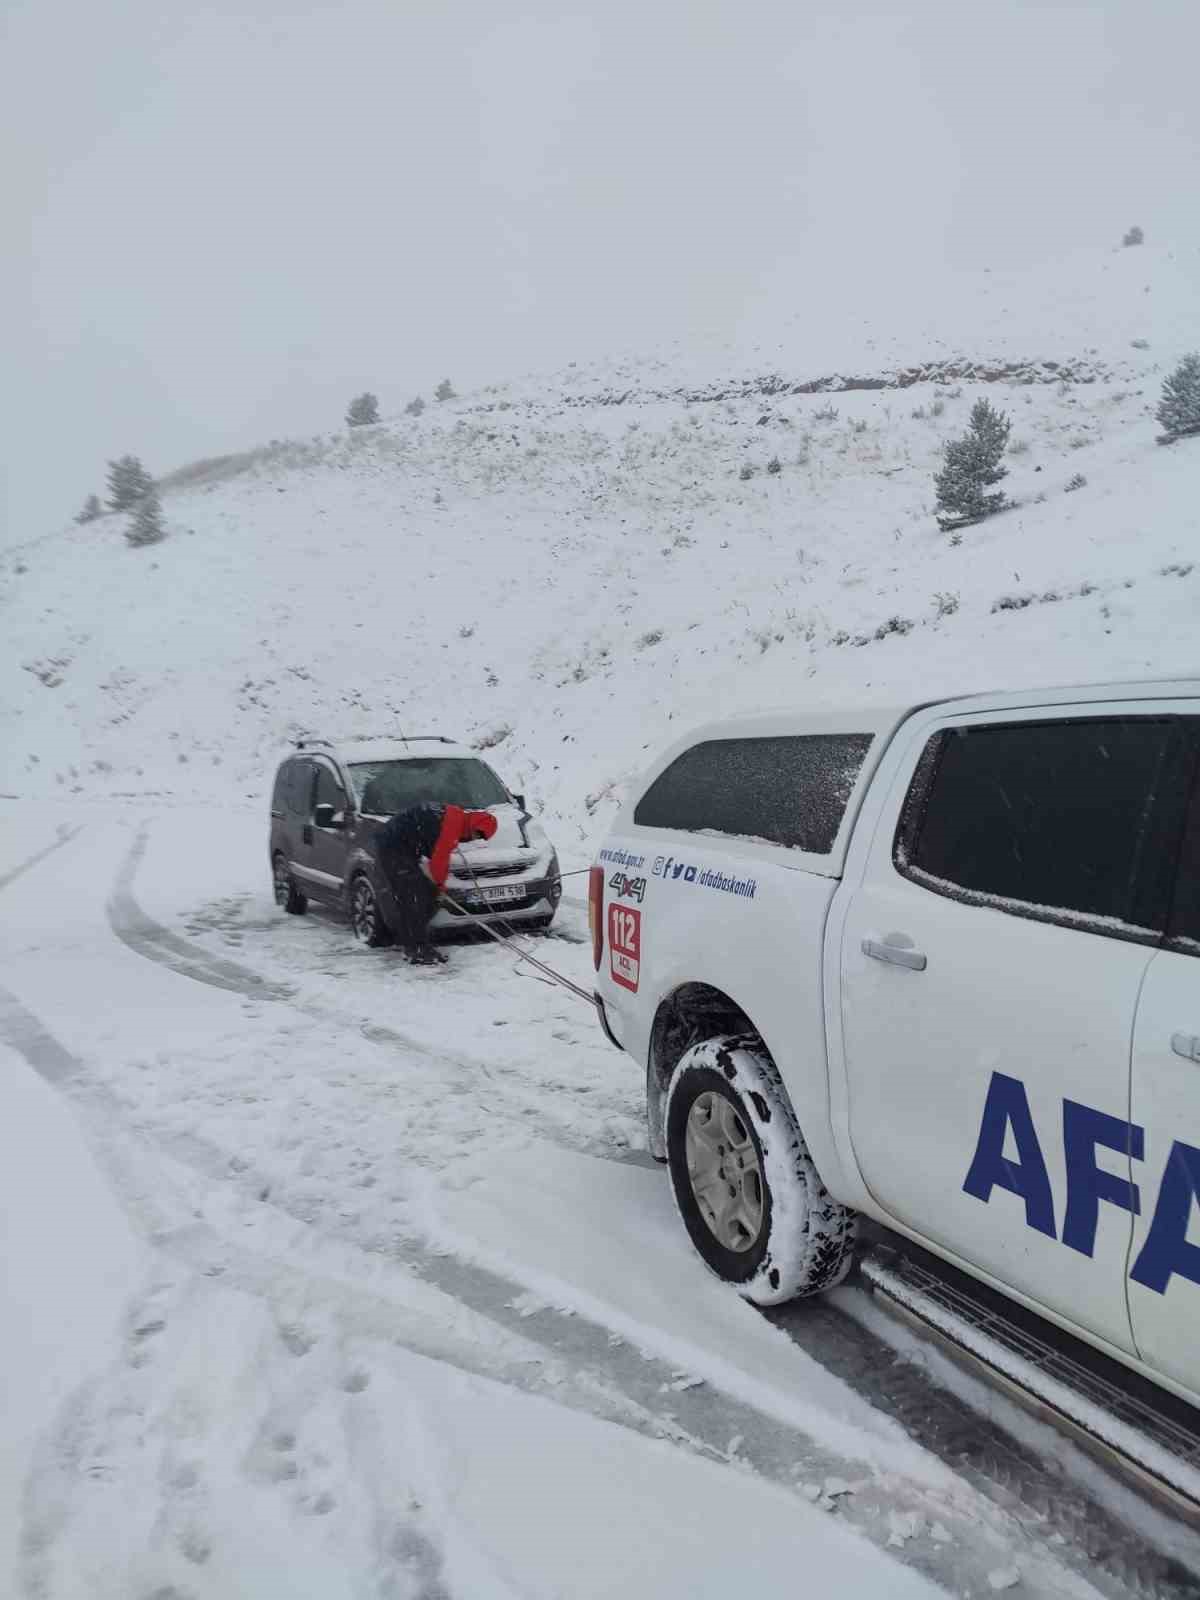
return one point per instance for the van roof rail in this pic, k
(367, 738)
(402, 738)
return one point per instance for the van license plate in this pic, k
(500, 893)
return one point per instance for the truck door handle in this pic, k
(1186, 1045)
(897, 955)
(306, 833)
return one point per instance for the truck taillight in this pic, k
(596, 913)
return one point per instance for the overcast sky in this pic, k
(223, 219)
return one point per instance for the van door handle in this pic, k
(1186, 1045)
(897, 955)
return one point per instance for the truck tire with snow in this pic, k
(744, 1182)
(287, 895)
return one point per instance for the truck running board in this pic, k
(1146, 1436)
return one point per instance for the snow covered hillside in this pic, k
(568, 568)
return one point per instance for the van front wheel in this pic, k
(744, 1183)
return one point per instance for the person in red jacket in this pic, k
(414, 848)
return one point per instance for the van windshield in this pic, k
(385, 787)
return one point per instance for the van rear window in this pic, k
(791, 790)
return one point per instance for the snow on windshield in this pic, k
(385, 787)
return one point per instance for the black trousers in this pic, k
(414, 901)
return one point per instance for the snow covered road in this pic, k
(327, 1276)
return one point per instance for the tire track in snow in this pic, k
(65, 835)
(518, 1340)
(149, 939)
(537, 1348)
(592, 1370)
(145, 937)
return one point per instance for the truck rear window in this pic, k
(790, 790)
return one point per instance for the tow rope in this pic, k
(522, 955)
(511, 944)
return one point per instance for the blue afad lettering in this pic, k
(1166, 1250)
(1007, 1106)
(1165, 1253)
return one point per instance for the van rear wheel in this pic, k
(745, 1185)
(287, 896)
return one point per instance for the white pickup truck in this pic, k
(939, 967)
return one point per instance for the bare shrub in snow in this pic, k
(489, 740)
(1019, 447)
(653, 637)
(826, 413)
(416, 405)
(1078, 481)
(972, 467)
(1139, 344)
(1133, 236)
(1013, 602)
(147, 525)
(1179, 409)
(898, 625)
(91, 509)
(445, 391)
(774, 466)
(363, 411)
(858, 425)
(1176, 569)
(945, 603)
(128, 481)
(467, 630)
(745, 472)
(936, 406)
(918, 413)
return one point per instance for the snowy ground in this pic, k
(324, 1276)
(313, 1291)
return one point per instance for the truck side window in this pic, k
(1185, 913)
(1074, 821)
(790, 790)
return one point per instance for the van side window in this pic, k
(329, 790)
(790, 790)
(300, 789)
(1071, 821)
(279, 796)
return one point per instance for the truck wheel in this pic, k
(365, 916)
(744, 1182)
(287, 895)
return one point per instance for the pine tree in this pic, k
(415, 407)
(91, 509)
(972, 465)
(444, 391)
(147, 526)
(1179, 408)
(363, 411)
(128, 482)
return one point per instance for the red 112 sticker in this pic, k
(625, 945)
